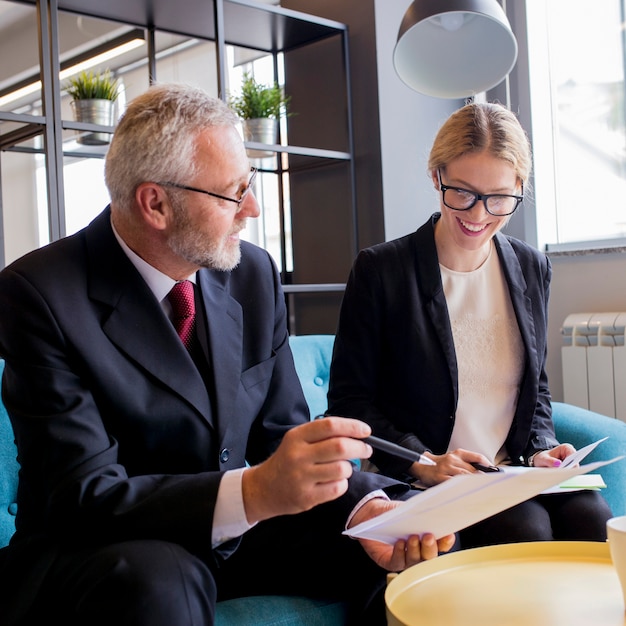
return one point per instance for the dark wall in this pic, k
(333, 214)
(359, 15)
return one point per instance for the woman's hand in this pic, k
(458, 461)
(554, 457)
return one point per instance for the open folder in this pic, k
(464, 500)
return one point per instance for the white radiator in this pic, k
(594, 362)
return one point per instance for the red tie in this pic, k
(183, 311)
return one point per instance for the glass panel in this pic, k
(85, 192)
(178, 59)
(272, 231)
(83, 178)
(585, 40)
(20, 87)
(96, 46)
(99, 46)
(21, 154)
(24, 199)
(591, 157)
(186, 60)
(268, 229)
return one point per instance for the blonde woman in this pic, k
(441, 344)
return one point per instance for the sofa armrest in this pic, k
(581, 427)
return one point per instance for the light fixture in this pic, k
(94, 57)
(454, 48)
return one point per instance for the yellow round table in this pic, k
(552, 583)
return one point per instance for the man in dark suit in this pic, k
(157, 477)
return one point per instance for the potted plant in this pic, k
(93, 100)
(260, 108)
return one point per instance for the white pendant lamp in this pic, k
(454, 48)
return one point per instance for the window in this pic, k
(579, 134)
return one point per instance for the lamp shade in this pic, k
(454, 48)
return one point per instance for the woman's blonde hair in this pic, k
(482, 127)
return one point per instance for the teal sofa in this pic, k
(312, 355)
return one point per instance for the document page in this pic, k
(464, 500)
(586, 481)
(579, 455)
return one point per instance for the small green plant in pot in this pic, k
(260, 107)
(259, 101)
(91, 85)
(93, 100)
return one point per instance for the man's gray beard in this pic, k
(189, 244)
(190, 248)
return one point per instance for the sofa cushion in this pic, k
(280, 611)
(8, 474)
(581, 427)
(312, 355)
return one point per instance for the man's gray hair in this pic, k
(155, 137)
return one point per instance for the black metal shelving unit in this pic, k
(248, 24)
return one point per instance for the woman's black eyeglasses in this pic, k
(496, 204)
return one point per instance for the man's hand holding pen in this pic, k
(432, 469)
(328, 448)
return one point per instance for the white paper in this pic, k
(579, 455)
(573, 459)
(594, 481)
(464, 500)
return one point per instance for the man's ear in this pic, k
(153, 204)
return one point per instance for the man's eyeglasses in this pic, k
(237, 201)
(496, 204)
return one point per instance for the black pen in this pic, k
(399, 451)
(485, 468)
(393, 448)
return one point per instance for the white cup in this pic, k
(616, 534)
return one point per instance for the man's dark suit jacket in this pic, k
(117, 435)
(394, 363)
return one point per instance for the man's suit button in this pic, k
(224, 454)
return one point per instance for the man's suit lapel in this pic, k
(136, 323)
(224, 331)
